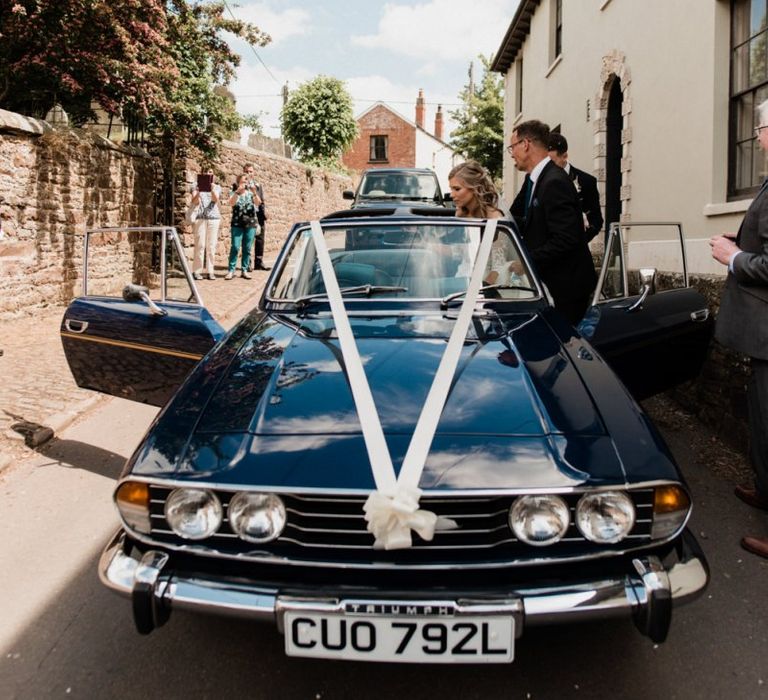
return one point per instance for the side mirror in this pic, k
(348, 194)
(135, 292)
(447, 197)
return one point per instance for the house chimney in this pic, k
(420, 109)
(439, 122)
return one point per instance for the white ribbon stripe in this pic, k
(392, 511)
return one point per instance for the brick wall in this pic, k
(55, 183)
(381, 121)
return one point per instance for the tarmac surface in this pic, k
(38, 396)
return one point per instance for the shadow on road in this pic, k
(74, 454)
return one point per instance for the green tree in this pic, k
(200, 112)
(156, 61)
(318, 120)
(480, 131)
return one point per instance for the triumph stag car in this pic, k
(403, 452)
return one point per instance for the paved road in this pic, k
(37, 394)
(63, 635)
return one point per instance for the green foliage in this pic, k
(162, 62)
(480, 119)
(318, 120)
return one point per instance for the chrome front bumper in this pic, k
(647, 593)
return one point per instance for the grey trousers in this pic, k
(757, 401)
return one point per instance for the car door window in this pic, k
(150, 257)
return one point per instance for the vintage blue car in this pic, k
(403, 453)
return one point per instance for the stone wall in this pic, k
(293, 192)
(55, 183)
(718, 395)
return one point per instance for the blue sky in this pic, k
(383, 51)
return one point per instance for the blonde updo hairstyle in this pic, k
(476, 178)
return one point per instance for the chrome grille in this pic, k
(333, 529)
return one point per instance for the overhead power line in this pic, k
(266, 67)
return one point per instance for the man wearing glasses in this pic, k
(742, 324)
(552, 228)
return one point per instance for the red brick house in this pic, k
(389, 140)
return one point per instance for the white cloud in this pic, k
(278, 24)
(444, 30)
(256, 91)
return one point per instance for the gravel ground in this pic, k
(723, 459)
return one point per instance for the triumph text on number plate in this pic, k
(434, 632)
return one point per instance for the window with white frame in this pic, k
(379, 146)
(749, 88)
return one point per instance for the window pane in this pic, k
(757, 64)
(758, 164)
(757, 22)
(740, 68)
(744, 165)
(740, 21)
(745, 117)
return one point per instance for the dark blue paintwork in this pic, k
(271, 407)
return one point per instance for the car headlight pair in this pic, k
(195, 514)
(604, 517)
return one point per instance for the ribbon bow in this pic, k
(391, 518)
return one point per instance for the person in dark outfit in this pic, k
(742, 324)
(261, 215)
(552, 226)
(585, 184)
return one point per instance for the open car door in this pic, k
(649, 324)
(139, 326)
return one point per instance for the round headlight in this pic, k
(193, 514)
(257, 517)
(539, 520)
(605, 517)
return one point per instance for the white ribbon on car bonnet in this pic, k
(392, 511)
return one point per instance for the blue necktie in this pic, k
(528, 189)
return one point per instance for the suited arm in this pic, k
(517, 210)
(591, 199)
(562, 213)
(751, 268)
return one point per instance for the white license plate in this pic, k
(422, 639)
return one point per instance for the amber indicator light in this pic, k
(134, 493)
(668, 499)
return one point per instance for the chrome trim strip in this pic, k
(211, 552)
(596, 599)
(132, 346)
(303, 492)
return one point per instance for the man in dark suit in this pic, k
(553, 229)
(742, 324)
(585, 184)
(261, 216)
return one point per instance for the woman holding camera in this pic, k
(244, 202)
(206, 226)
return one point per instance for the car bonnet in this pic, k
(282, 412)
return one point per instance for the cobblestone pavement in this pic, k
(38, 396)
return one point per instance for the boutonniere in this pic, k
(577, 185)
(535, 202)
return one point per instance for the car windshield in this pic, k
(405, 186)
(403, 261)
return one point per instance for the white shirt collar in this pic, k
(537, 170)
(567, 167)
